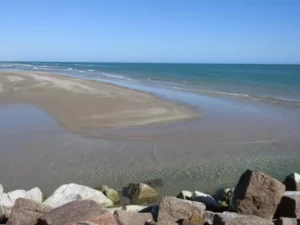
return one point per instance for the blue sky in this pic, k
(224, 31)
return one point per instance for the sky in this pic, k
(219, 31)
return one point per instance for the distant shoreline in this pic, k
(79, 104)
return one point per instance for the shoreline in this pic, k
(80, 104)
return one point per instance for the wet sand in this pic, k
(79, 104)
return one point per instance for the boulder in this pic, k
(73, 192)
(194, 220)
(35, 194)
(185, 195)
(207, 200)
(112, 195)
(226, 199)
(72, 212)
(292, 182)
(7, 200)
(141, 193)
(286, 221)
(208, 217)
(134, 208)
(132, 218)
(103, 188)
(237, 219)
(257, 194)
(112, 210)
(105, 219)
(289, 205)
(172, 209)
(26, 212)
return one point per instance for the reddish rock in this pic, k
(172, 209)
(289, 205)
(257, 194)
(286, 221)
(72, 212)
(107, 219)
(132, 218)
(237, 219)
(26, 212)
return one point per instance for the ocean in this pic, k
(249, 120)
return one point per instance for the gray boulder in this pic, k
(292, 182)
(237, 219)
(104, 219)
(172, 209)
(141, 193)
(257, 194)
(26, 212)
(73, 192)
(289, 205)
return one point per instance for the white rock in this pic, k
(5, 205)
(35, 194)
(1, 189)
(14, 195)
(135, 208)
(206, 199)
(72, 192)
(185, 195)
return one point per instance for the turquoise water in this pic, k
(268, 83)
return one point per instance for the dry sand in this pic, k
(79, 104)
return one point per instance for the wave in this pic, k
(263, 98)
(91, 70)
(116, 76)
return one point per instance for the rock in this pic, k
(103, 188)
(112, 195)
(26, 212)
(194, 220)
(257, 194)
(237, 219)
(7, 200)
(155, 183)
(73, 192)
(112, 210)
(105, 219)
(286, 221)
(132, 218)
(226, 199)
(35, 194)
(135, 208)
(208, 217)
(172, 209)
(289, 205)
(207, 200)
(1, 189)
(185, 195)
(72, 212)
(141, 193)
(292, 182)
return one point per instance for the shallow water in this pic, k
(204, 155)
(235, 132)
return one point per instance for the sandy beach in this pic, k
(79, 104)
